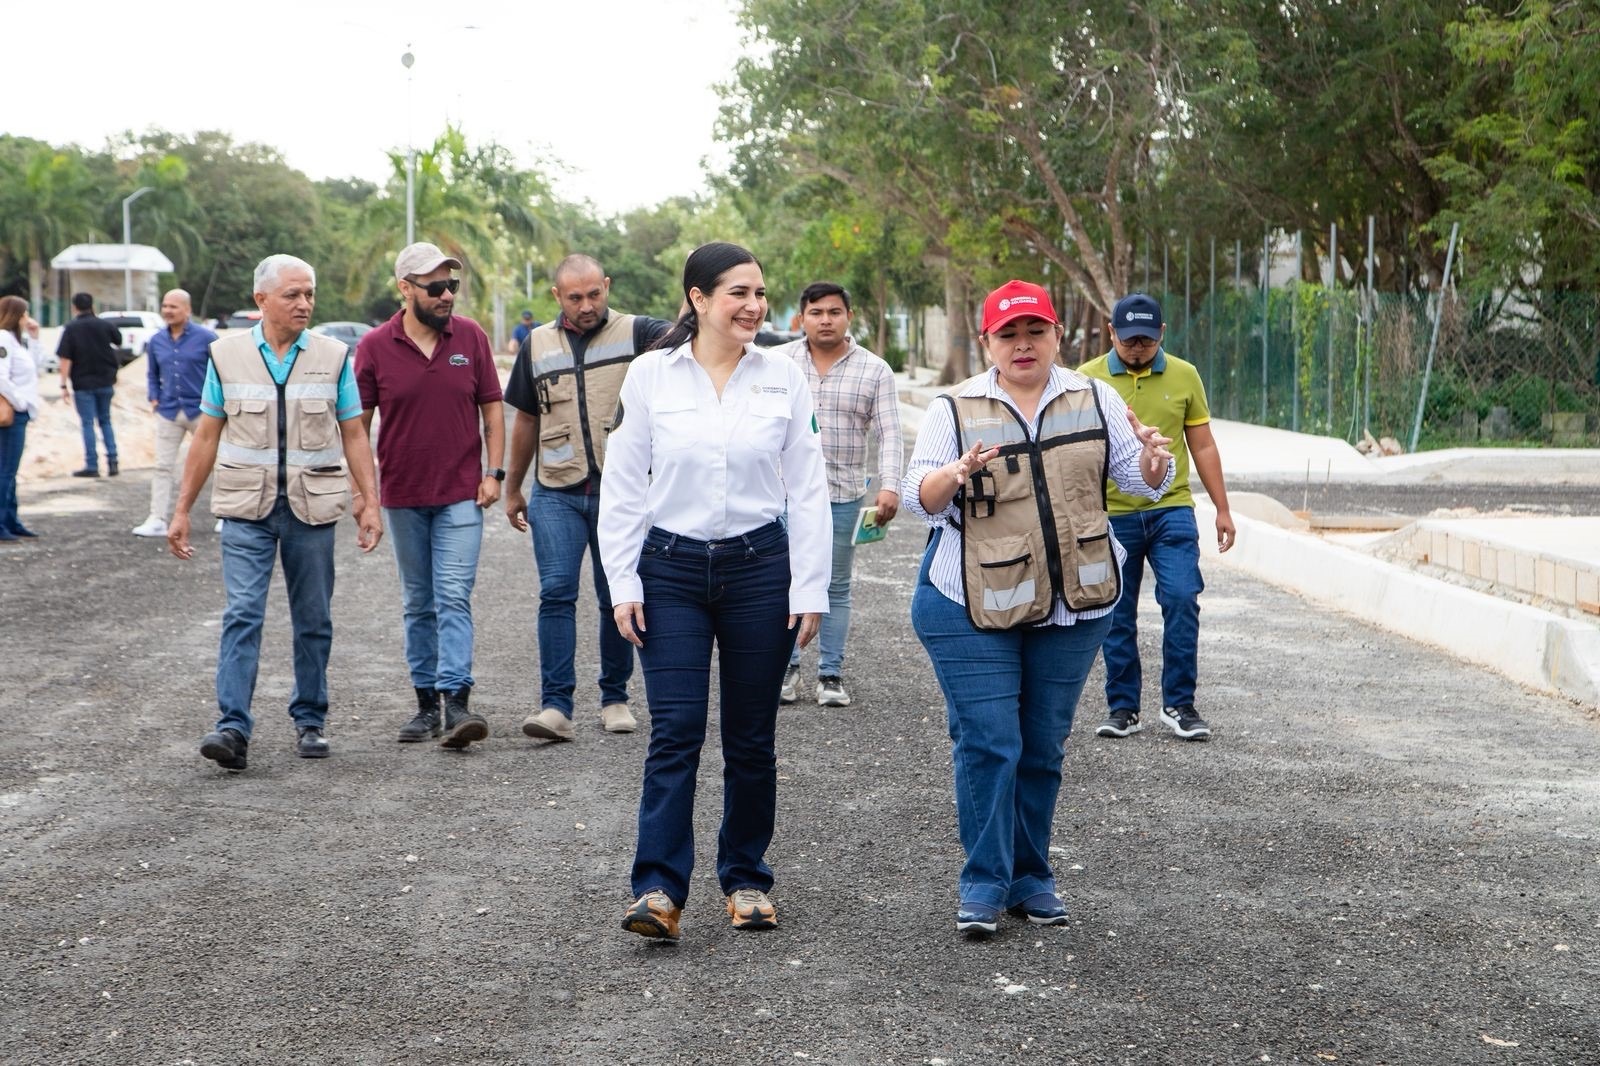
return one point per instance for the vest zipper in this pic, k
(1041, 501)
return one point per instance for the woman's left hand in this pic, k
(809, 623)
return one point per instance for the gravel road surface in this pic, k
(1384, 855)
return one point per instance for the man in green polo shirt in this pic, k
(1163, 391)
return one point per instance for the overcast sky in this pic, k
(613, 98)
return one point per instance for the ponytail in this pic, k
(682, 331)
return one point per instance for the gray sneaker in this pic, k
(831, 693)
(1185, 722)
(791, 685)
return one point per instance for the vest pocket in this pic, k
(558, 456)
(1009, 579)
(248, 424)
(1090, 566)
(324, 497)
(240, 491)
(318, 427)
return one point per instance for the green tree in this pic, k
(47, 200)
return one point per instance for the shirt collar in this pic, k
(683, 351)
(850, 347)
(258, 335)
(1158, 366)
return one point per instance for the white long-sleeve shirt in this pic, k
(19, 371)
(682, 458)
(937, 446)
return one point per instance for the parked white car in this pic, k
(136, 327)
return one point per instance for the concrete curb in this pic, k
(1530, 646)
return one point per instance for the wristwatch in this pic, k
(498, 473)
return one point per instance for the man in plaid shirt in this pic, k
(854, 392)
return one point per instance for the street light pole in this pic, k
(127, 247)
(411, 157)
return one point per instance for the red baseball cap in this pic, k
(1017, 299)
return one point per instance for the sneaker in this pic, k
(112, 468)
(751, 909)
(311, 744)
(1119, 723)
(1045, 908)
(977, 918)
(548, 724)
(151, 527)
(616, 718)
(425, 724)
(831, 693)
(652, 915)
(1185, 722)
(791, 685)
(227, 748)
(87, 471)
(461, 725)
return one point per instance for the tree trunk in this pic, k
(958, 326)
(880, 297)
(35, 286)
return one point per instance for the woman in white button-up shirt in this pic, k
(19, 385)
(714, 528)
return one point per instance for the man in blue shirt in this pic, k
(175, 361)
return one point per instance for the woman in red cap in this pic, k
(1017, 585)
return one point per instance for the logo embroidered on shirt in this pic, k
(771, 390)
(458, 360)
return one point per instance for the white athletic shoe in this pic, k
(152, 527)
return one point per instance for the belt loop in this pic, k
(672, 539)
(749, 549)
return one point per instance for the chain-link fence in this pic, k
(1343, 361)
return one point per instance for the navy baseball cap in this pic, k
(1136, 315)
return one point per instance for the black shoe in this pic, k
(426, 723)
(461, 726)
(311, 743)
(20, 530)
(1119, 723)
(111, 467)
(1185, 722)
(227, 748)
(87, 471)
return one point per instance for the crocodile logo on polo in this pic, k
(458, 360)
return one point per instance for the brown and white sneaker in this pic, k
(751, 909)
(653, 915)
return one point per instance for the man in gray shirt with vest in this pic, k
(564, 387)
(279, 418)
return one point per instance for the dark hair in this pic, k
(12, 310)
(83, 301)
(702, 270)
(818, 290)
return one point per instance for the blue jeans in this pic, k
(436, 549)
(94, 405)
(836, 623)
(735, 593)
(564, 523)
(12, 438)
(1011, 696)
(248, 552)
(1169, 539)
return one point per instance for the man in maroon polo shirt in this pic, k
(431, 377)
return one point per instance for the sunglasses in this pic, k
(436, 289)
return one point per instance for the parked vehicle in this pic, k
(136, 328)
(348, 332)
(245, 319)
(767, 337)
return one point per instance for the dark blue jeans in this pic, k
(1168, 539)
(564, 524)
(1011, 696)
(94, 405)
(734, 593)
(12, 438)
(249, 550)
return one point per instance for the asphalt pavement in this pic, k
(1384, 855)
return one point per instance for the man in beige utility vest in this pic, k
(564, 387)
(279, 418)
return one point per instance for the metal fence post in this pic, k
(1371, 345)
(1266, 315)
(1294, 333)
(1333, 285)
(1433, 342)
(1211, 319)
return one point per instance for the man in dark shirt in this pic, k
(430, 376)
(88, 357)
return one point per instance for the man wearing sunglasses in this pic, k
(1166, 392)
(430, 376)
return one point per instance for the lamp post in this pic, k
(127, 247)
(411, 156)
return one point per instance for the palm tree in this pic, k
(45, 204)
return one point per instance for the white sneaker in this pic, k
(218, 528)
(616, 718)
(152, 527)
(791, 685)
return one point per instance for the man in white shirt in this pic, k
(854, 394)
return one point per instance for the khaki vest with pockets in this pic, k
(577, 402)
(254, 461)
(1033, 521)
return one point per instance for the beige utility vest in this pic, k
(1033, 520)
(577, 397)
(280, 439)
